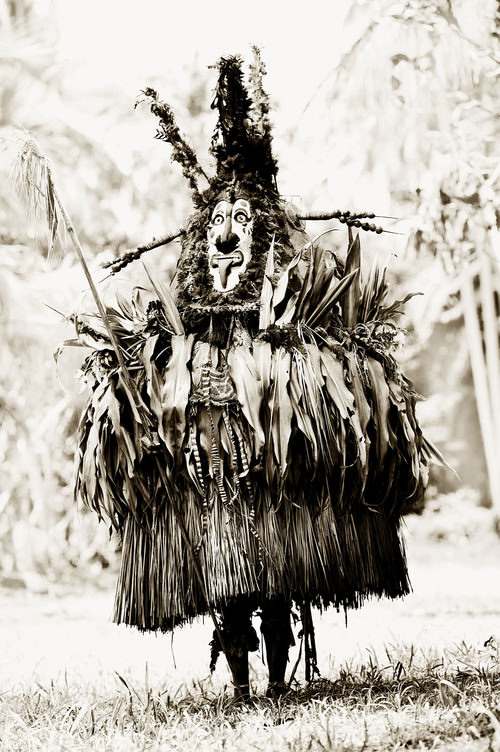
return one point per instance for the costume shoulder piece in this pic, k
(266, 375)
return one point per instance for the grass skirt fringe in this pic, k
(296, 554)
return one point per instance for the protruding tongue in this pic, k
(224, 265)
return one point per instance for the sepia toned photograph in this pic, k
(249, 376)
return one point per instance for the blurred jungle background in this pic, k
(384, 106)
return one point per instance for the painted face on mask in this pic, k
(229, 242)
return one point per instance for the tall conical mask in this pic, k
(238, 211)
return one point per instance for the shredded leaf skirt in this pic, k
(289, 470)
(298, 554)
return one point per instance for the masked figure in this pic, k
(276, 445)
(229, 242)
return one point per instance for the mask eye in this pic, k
(218, 219)
(241, 217)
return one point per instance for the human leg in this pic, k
(278, 637)
(239, 638)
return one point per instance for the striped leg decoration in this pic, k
(245, 473)
(215, 456)
(193, 445)
(234, 453)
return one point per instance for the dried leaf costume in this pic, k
(268, 388)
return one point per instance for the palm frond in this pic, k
(167, 301)
(329, 297)
(34, 184)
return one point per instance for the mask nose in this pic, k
(226, 230)
(227, 240)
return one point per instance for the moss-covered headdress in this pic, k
(242, 142)
(245, 166)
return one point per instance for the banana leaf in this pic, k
(302, 417)
(356, 386)
(175, 394)
(245, 377)
(333, 373)
(380, 412)
(288, 314)
(154, 380)
(281, 287)
(351, 298)
(262, 353)
(280, 406)
(311, 384)
(266, 315)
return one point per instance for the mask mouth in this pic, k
(225, 263)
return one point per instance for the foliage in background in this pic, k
(40, 531)
(423, 72)
(115, 202)
(427, 74)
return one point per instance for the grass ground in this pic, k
(421, 673)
